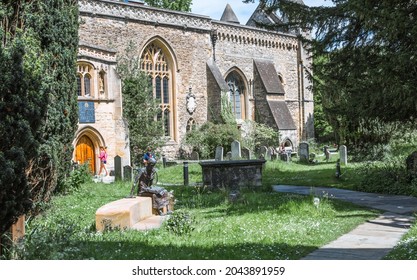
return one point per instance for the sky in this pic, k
(214, 8)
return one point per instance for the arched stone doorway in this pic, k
(84, 152)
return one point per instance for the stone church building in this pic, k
(193, 60)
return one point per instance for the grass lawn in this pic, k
(260, 225)
(278, 172)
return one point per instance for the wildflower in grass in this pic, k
(316, 202)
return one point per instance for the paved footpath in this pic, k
(371, 240)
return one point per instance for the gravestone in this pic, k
(343, 154)
(326, 153)
(262, 152)
(268, 154)
(219, 153)
(229, 156)
(274, 154)
(127, 173)
(194, 156)
(245, 153)
(118, 167)
(303, 152)
(236, 153)
(285, 157)
(411, 163)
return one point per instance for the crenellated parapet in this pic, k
(142, 13)
(240, 34)
(99, 53)
(246, 35)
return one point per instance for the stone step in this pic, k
(153, 222)
(123, 213)
(104, 179)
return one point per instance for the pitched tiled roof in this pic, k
(282, 115)
(217, 75)
(269, 77)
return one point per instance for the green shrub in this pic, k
(77, 177)
(54, 239)
(388, 177)
(206, 138)
(180, 223)
(256, 135)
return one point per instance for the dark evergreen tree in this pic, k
(21, 111)
(38, 108)
(56, 22)
(21, 108)
(368, 65)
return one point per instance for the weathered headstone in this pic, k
(228, 155)
(118, 167)
(236, 153)
(303, 152)
(219, 153)
(343, 154)
(268, 154)
(411, 163)
(127, 173)
(285, 157)
(274, 153)
(326, 153)
(262, 152)
(245, 153)
(194, 156)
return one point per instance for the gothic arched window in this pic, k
(85, 73)
(154, 62)
(236, 94)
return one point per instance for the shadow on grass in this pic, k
(134, 250)
(322, 174)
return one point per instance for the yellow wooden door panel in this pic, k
(84, 152)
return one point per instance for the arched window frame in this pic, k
(237, 94)
(85, 80)
(157, 62)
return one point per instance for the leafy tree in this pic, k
(139, 107)
(176, 5)
(368, 70)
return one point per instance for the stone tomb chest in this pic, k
(232, 174)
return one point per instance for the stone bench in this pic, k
(126, 213)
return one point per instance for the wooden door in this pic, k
(84, 152)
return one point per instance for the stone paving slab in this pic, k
(375, 238)
(370, 241)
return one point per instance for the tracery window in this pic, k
(154, 61)
(84, 79)
(236, 94)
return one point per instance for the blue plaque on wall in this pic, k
(86, 112)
